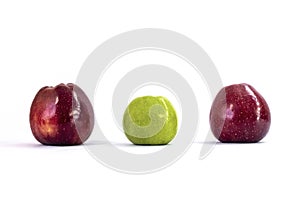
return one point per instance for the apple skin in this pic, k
(239, 114)
(61, 115)
(138, 115)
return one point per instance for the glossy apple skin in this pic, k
(61, 115)
(239, 114)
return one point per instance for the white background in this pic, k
(256, 42)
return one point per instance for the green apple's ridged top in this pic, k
(150, 120)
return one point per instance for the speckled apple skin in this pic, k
(61, 115)
(239, 114)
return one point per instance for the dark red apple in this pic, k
(239, 114)
(61, 115)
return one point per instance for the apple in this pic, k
(61, 115)
(239, 114)
(150, 120)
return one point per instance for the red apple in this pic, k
(61, 115)
(239, 114)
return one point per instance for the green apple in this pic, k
(150, 120)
